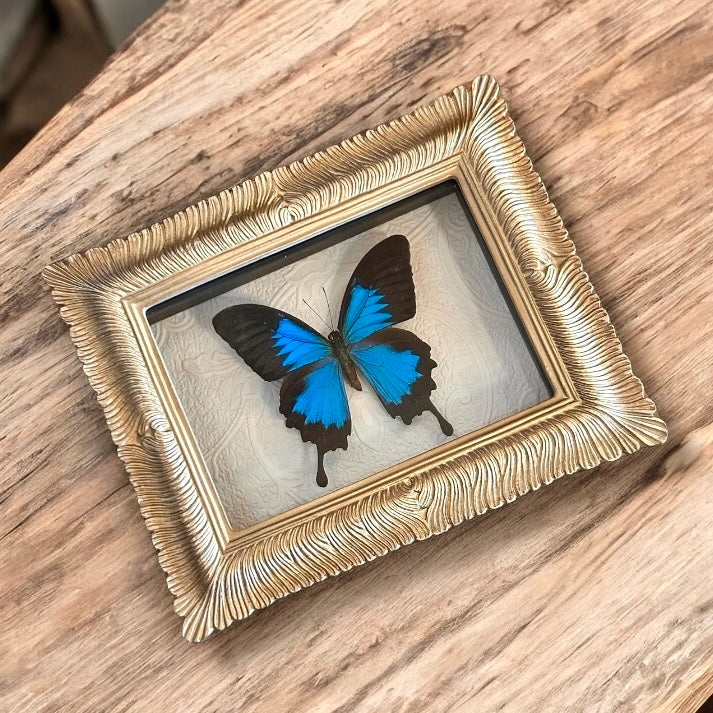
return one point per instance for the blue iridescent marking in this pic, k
(323, 399)
(298, 346)
(389, 371)
(366, 313)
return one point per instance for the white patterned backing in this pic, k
(485, 370)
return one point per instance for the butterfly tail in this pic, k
(445, 425)
(321, 473)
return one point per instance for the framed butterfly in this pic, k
(366, 346)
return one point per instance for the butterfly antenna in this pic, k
(329, 309)
(316, 313)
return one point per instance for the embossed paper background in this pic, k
(485, 370)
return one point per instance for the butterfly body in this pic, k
(365, 346)
(341, 353)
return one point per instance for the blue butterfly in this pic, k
(395, 363)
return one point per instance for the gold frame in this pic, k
(598, 410)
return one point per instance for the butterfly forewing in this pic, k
(271, 342)
(380, 292)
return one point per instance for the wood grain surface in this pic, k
(593, 594)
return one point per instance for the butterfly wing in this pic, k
(395, 362)
(380, 293)
(276, 345)
(271, 342)
(313, 400)
(398, 365)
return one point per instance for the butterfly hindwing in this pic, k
(380, 292)
(271, 342)
(313, 400)
(398, 365)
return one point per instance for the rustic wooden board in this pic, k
(593, 594)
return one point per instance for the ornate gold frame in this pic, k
(598, 409)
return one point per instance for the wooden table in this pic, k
(593, 594)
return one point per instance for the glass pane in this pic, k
(485, 369)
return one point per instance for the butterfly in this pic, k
(366, 346)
